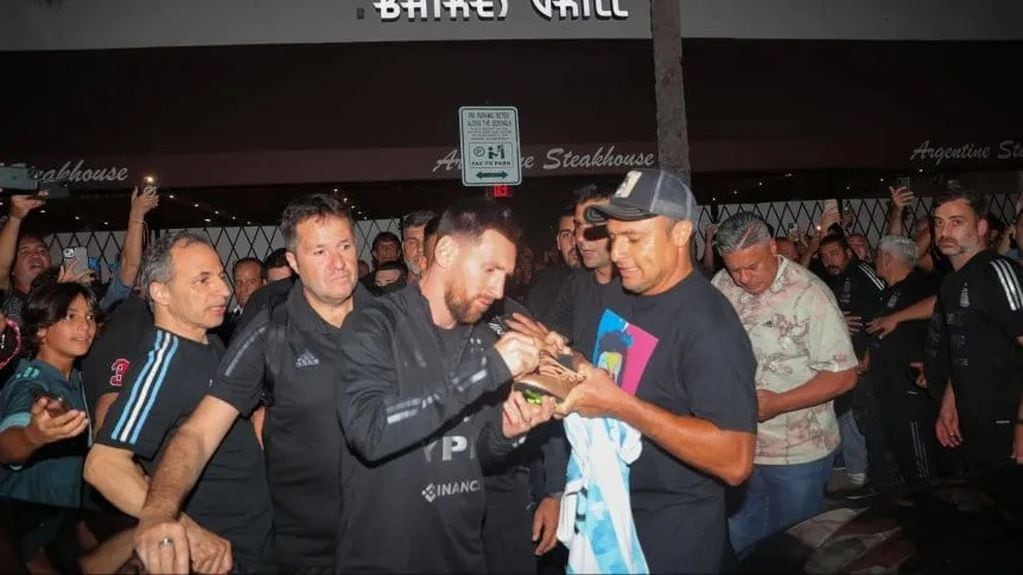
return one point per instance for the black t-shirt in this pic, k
(546, 291)
(301, 436)
(982, 306)
(112, 354)
(418, 433)
(858, 291)
(906, 343)
(578, 311)
(161, 390)
(702, 366)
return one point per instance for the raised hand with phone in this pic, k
(830, 217)
(22, 257)
(143, 201)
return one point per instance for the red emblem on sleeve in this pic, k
(117, 371)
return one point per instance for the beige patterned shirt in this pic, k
(796, 330)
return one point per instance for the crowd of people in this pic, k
(314, 413)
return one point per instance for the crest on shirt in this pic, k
(117, 371)
(893, 301)
(964, 296)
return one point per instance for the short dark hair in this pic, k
(834, 239)
(471, 217)
(317, 206)
(591, 192)
(385, 237)
(48, 303)
(276, 259)
(395, 265)
(431, 229)
(978, 203)
(417, 218)
(156, 261)
(567, 211)
(30, 236)
(249, 260)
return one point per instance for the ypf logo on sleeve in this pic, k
(628, 184)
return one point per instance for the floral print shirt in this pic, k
(796, 330)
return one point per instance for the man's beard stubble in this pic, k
(461, 306)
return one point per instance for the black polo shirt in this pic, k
(982, 306)
(906, 343)
(162, 389)
(118, 345)
(858, 291)
(412, 405)
(702, 366)
(301, 436)
(579, 308)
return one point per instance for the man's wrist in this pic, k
(159, 512)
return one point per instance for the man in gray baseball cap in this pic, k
(645, 194)
(694, 399)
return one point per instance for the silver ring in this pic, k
(166, 542)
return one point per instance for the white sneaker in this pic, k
(857, 479)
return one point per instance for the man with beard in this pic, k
(417, 369)
(858, 291)
(413, 232)
(593, 288)
(981, 316)
(187, 289)
(294, 344)
(546, 290)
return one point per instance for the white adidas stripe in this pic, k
(146, 389)
(1010, 283)
(871, 275)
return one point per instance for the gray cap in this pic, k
(646, 194)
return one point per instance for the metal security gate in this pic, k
(870, 214)
(232, 243)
